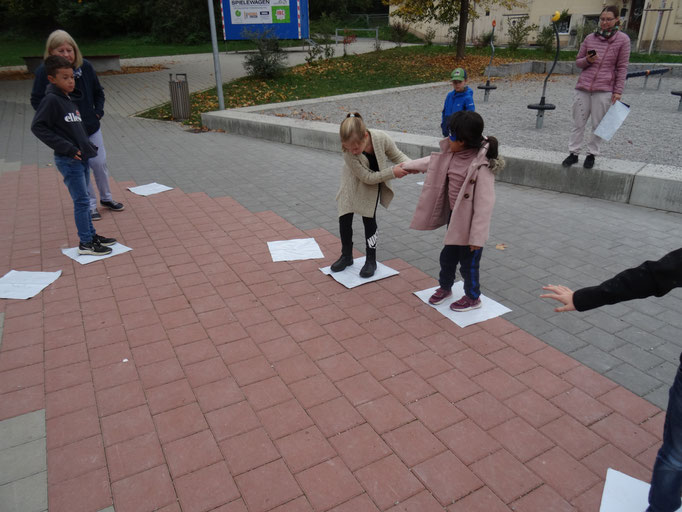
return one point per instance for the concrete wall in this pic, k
(654, 186)
(670, 27)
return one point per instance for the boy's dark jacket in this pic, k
(91, 101)
(58, 124)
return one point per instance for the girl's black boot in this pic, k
(346, 259)
(370, 265)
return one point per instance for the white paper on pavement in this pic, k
(84, 259)
(295, 249)
(149, 189)
(622, 493)
(612, 120)
(350, 276)
(20, 284)
(489, 308)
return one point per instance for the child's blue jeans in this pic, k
(76, 178)
(469, 262)
(666, 480)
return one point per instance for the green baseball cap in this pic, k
(458, 74)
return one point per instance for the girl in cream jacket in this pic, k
(365, 182)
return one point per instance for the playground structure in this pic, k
(647, 73)
(487, 87)
(678, 93)
(542, 106)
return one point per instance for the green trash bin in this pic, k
(179, 94)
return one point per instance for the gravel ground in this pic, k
(647, 135)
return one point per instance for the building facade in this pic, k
(645, 21)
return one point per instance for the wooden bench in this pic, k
(99, 62)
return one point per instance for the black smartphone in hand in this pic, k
(592, 53)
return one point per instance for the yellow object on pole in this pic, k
(556, 16)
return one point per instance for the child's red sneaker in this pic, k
(439, 296)
(465, 304)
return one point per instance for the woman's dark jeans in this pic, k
(666, 481)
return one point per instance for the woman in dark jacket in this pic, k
(651, 278)
(91, 106)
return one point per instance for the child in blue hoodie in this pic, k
(58, 124)
(460, 98)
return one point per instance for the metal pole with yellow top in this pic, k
(542, 106)
(487, 87)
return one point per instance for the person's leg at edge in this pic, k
(600, 102)
(666, 479)
(581, 112)
(92, 195)
(449, 259)
(74, 173)
(98, 164)
(470, 262)
(346, 232)
(370, 265)
(88, 184)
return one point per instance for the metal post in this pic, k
(658, 27)
(216, 58)
(540, 116)
(492, 54)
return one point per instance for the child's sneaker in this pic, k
(103, 240)
(465, 304)
(439, 296)
(94, 249)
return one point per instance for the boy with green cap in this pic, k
(460, 98)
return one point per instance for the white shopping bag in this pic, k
(612, 120)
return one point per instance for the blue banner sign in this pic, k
(287, 18)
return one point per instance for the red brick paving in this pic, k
(258, 386)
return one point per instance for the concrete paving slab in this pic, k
(229, 185)
(26, 495)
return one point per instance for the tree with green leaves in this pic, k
(446, 12)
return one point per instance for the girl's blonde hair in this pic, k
(58, 38)
(352, 128)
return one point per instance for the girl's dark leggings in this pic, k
(346, 230)
(469, 262)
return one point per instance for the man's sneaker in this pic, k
(95, 215)
(439, 296)
(113, 205)
(589, 162)
(103, 240)
(571, 159)
(93, 248)
(465, 304)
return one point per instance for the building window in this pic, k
(563, 25)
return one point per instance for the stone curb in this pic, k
(637, 183)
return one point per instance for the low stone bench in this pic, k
(99, 62)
